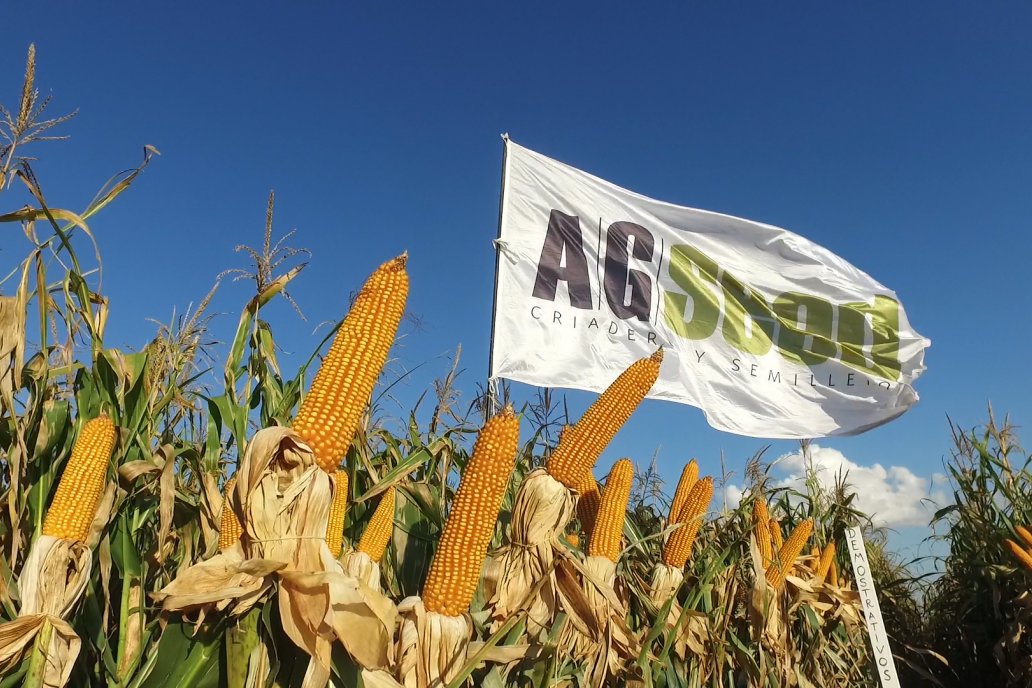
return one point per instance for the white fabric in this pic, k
(778, 375)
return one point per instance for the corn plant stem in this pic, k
(38, 660)
(123, 611)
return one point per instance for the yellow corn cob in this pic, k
(378, 531)
(587, 505)
(1020, 553)
(777, 571)
(230, 529)
(581, 445)
(1024, 535)
(82, 482)
(688, 477)
(605, 536)
(761, 530)
(777, 541)
(331, 411)
(833, 574)
(679, 546)
(827, 558)
(456, 566)
(338, 507)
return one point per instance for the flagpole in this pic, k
(491, 382)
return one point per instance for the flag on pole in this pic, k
(768, 333)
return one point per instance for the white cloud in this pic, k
(892, 496)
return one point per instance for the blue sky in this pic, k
(895, 134)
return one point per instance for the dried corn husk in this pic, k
(596, 632)
(53, 579)
(361, 566)
(432, 647)
(282, 499)
(512, 579)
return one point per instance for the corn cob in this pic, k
(581, 445)
(777, 571)
(230, 529)
(679, 546)
(378, 532)
(330, 413)
(338, 507)
(1020, 553)
(761, 530)
(82, 481)
(827, 558)
(605, 536)
(833, 574)
(777, 541)
(1023, 533)
(684, 486)
(456, 566)
(587, 505)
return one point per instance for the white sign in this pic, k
(768, 333)
(872, 612)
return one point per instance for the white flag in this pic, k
(768, 333)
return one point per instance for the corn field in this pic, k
(165, 525)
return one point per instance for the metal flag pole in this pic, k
(492, 383)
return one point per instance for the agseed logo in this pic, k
(803, 328)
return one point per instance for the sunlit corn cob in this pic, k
(1020, 553)
(777, 571)
(587, 505)
(761, 530)
(331, 411)
(82, 482)
(230, 529)
(581, 445)
(338, 507)
(1023, 533)
(827, 557)
(777, 540)
(455, 570)
(689, 475)
(833, 574)
(679, 545)
(380, 527)
(605, 536)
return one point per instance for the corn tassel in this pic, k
(689, 475)
(827, 557)
(455, 570)
(335, 522)
(378, 532)
(75, 502)
(1020, 553)
(331, 411)
(230, 529)
(777, 571)
(608, 530)
(679, 546)
(581, 445)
